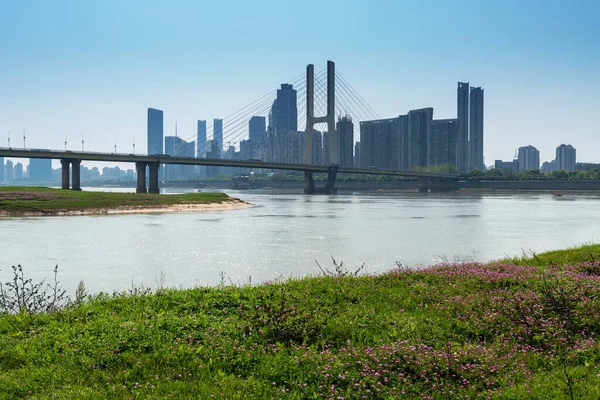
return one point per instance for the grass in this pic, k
(23, 200)
(584, 253)
(504, 330)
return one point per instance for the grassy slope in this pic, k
(502, 331)
(36, 199)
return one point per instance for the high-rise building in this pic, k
(217, 138)
(357, 154)
(317, 148)
(418, 132)
(462, 138)
(565, 158)
(177, 147)
(383, 143)
(529, 158)
(40, 169)
(201, 149)
(476, 129)
(155, 131)
(1, 169)
(441, 149)
(18, 171)
(8, 171)
(345, 138)
(284, 111)
(257, 128)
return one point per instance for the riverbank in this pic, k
(37, 201)
(518, 328)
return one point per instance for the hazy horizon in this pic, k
(94, 67)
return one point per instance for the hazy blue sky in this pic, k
(71, 66)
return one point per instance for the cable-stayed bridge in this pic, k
(311, 100)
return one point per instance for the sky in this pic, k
(92, 68)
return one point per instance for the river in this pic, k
(286, 232)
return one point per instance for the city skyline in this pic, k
(541, 80)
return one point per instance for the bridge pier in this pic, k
(65, 173)
(141, 177)
(76, 165)
(310, 187)
(309, 183)
(423, 184)
(153, 175)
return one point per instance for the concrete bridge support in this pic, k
(141, 177)
(436, 185)
(64, 163)
(310, 187)
(423, 184)
(309, 183)
(76, 166)
(153, 178)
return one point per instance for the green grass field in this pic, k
(20, 200)
(504, 330)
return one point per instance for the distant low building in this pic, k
(587, 166)
(507, 167)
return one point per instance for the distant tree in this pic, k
(560, 174)
(475, 173)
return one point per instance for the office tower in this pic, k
(284, 111)
(155, 131)
(418, 125)
(18, 171)
(357, 154)
(565, 158)
(177, 147)
(476, 129)
(245, 150)
(217, 138)
(40, 169)
(529, 158)
(345, 139)
(201, 140)
(1, 169)
(8, 171)
(441, 149)
(257, 128)
(462, 138)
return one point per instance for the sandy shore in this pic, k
(232, 204)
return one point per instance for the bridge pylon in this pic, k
(311, 120)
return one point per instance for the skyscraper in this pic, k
(565, 158)
(40, 169)
(441, 148)
(418, 126)
(382, 143)
(462, 138)
(345, 138)
(284, 111)
(529, 158)
(155, 131)
(1, 169)
(201, 139)
(476, 129)
(217, 137)
(257, 128)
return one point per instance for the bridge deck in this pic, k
(165, 159)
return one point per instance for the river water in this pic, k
(286, 232)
